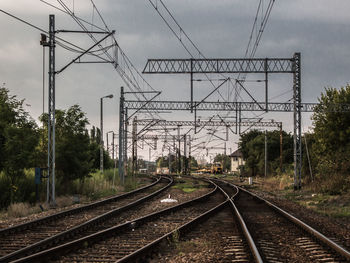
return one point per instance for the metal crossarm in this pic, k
(226, 106)
(219, 65)
(212, 123)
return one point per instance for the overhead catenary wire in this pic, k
(130, 67)
(181, 30)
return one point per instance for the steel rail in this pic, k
(55, 239)
(339, 249)
(27, 225)
(43, 256)
(244, 227)
(144, 251)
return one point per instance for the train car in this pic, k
(216, 168)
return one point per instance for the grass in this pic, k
(96, 186)
(329, 205)
(332, 205)
(21, 209)
(189, 186)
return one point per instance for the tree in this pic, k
(330, 149)
(73, 151)
(194, 162)
(252, 145)
(18, 139)
(332, 128)
(224, 160)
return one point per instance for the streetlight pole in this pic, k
(115, 147)
(101, 131)
(107, 140)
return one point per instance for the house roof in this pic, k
(236, 153)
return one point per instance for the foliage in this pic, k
(252, 145)
(330, 144)
(18, 139)
(332, 128)
(73, 156)
(224, 160)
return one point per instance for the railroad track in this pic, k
(280, 237)
(33, 236)
(247, 229)
(225, 242)
(121, 241)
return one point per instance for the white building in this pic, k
(236, 160)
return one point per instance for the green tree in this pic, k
(18, 139)
(252, 145)
(224, 160)
(194, 163)
(330, 149)
(73, 150)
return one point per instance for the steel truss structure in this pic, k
(239, 65)
(224, 106)
(213, 123)
(219, 65)
(164, 123)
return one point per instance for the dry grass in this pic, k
(21, 210)
(271, 184)
(63, 201)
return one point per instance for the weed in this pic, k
(21, 210)
(175, 237)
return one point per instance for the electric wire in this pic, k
(258, 38)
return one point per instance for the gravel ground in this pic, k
(337, 229)
(12, 221)
(155, 205)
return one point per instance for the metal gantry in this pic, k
(240, 65)
(219, 65)
(164, 123)
(223, 106)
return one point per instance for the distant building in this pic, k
(162, 170)
(202, 162)
(236, 160)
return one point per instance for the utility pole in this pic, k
(134, 146)
(51, 99)
(184, 157)
(297, 120)
(101, 130)
(107, 143)
(51, 113)
(189, 154)
(179, 150)
(113, 157)
(126, 143)
(169, 161)
(175, 154)
(265, 153)
(281, 148)
(149, 158)
(121, 135)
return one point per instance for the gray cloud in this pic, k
(320, 29)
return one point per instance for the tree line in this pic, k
(23, 145)
(326, 148)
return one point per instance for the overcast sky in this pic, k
(319, 29)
